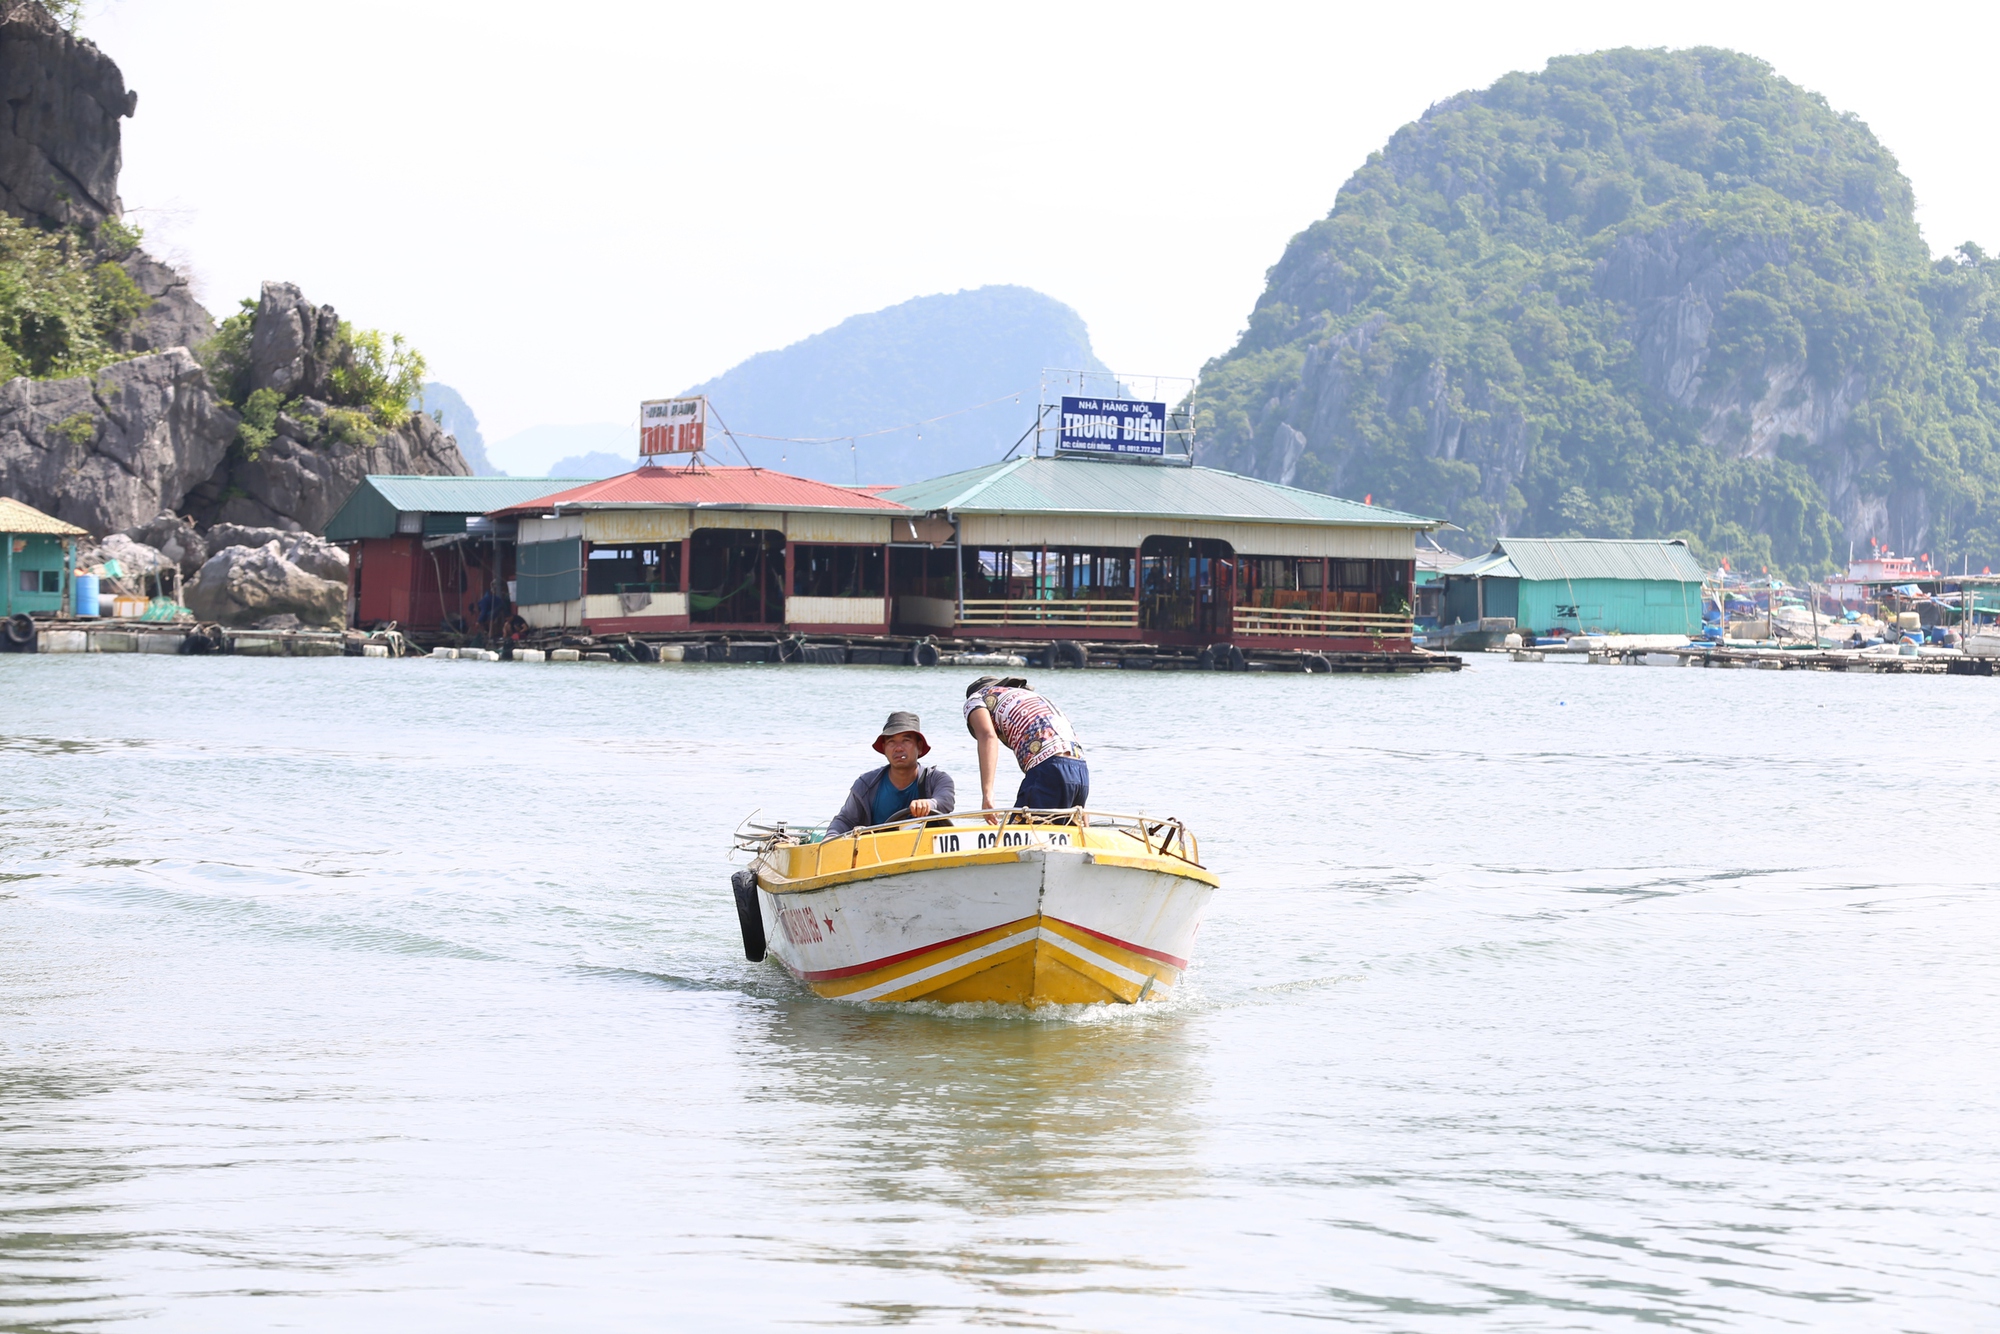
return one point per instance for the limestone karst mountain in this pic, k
(1638, 293)
(911, 361)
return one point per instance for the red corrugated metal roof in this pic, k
(705, 486)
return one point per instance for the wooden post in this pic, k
(958, 571)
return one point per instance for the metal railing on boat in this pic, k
(1157, 834)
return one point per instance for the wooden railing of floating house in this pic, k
(1050, 612)
(1303, 623)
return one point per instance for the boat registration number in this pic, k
(980, 840)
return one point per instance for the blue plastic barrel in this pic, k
(86, 595)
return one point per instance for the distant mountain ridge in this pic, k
(908, 362)
(1635, 294)
(456, 416)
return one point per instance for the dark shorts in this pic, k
(1054, 785)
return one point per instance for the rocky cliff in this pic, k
(318, 452)
(111, 451)
(59, 140)
(156, 432)
(1641, 293)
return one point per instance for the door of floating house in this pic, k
(736, 576)
(1185, 587)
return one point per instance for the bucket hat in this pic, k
(901, 721)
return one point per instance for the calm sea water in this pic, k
(344, 994)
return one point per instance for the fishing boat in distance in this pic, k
(1041, 908)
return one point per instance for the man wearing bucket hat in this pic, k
(901, 785)
(1004, 712)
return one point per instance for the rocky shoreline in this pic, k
(186, 494)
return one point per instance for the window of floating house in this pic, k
(923, 574)
(1352, 586)
(1286, 582)
(836, 571)
(1018, 574)
(635, 569)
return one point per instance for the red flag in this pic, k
(1368, 499)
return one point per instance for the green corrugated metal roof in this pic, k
(1600, 558)
(371, 511)
(1550, 558)
(466, 495)
(1494, 564)
(1094, 486)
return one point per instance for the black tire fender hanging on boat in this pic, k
(748, 916)
(21, 629)
(924, 655)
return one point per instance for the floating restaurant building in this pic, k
(421, 550)
(1071, 547)
(1583, 585)
(702, 548)
(1030, 549)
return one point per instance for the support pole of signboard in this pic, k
(1040, 411)
(732, 436)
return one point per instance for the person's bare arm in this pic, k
(980, 723)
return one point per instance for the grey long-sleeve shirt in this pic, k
(934, 785)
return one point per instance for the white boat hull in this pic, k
(1037, 926)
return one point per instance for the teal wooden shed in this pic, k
(1584, 585)
(37, 560)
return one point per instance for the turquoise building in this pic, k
(37, 560)
(1584, 585)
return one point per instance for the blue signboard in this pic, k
(1113, 426)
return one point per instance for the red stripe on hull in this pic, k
(1160, 955)
(835, 974)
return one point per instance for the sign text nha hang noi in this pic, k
(1113, 426)
(672, 425)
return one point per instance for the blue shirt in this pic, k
(889, 799)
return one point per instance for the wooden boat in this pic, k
(1047, 908)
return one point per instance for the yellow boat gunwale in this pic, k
(1107, 843)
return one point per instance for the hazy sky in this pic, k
(569, 208)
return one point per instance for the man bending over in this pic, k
(1006, 713)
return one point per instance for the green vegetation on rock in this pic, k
(63, 301)
(362, 381)
(1638, 294)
